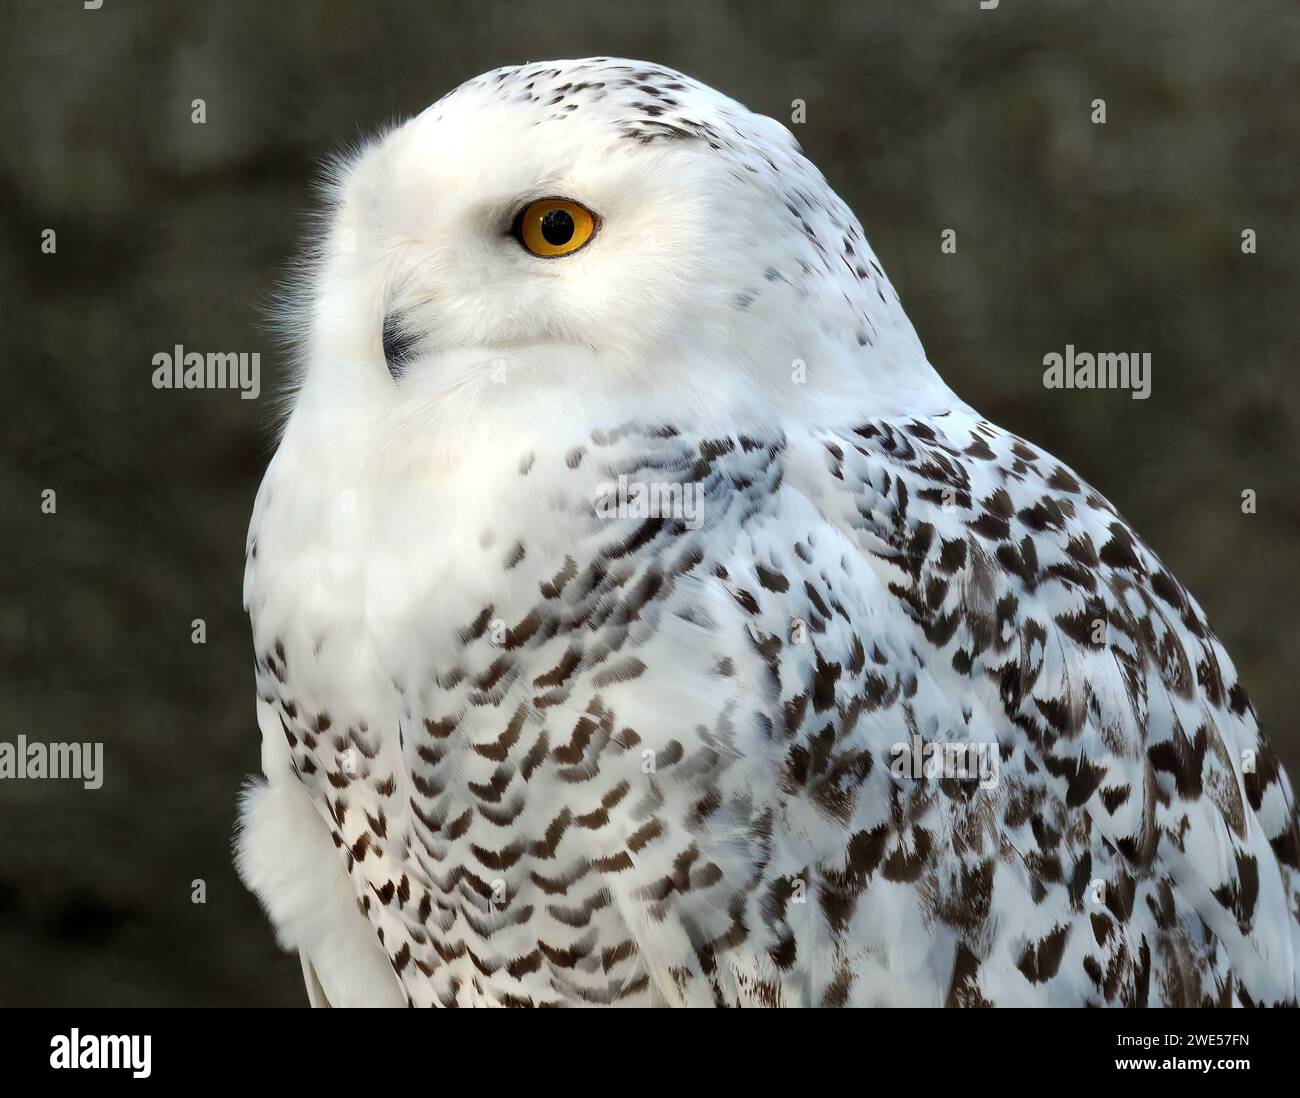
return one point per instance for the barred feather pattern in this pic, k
(643, 760)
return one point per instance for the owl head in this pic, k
(600, 237)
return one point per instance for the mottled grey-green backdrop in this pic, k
(924, 116)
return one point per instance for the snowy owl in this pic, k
(640, 619)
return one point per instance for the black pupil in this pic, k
(557, 227)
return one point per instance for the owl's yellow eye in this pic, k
(552, 227)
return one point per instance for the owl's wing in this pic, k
(942, 581)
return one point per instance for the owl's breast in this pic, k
(478, 677)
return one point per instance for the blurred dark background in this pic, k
(924, 116)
